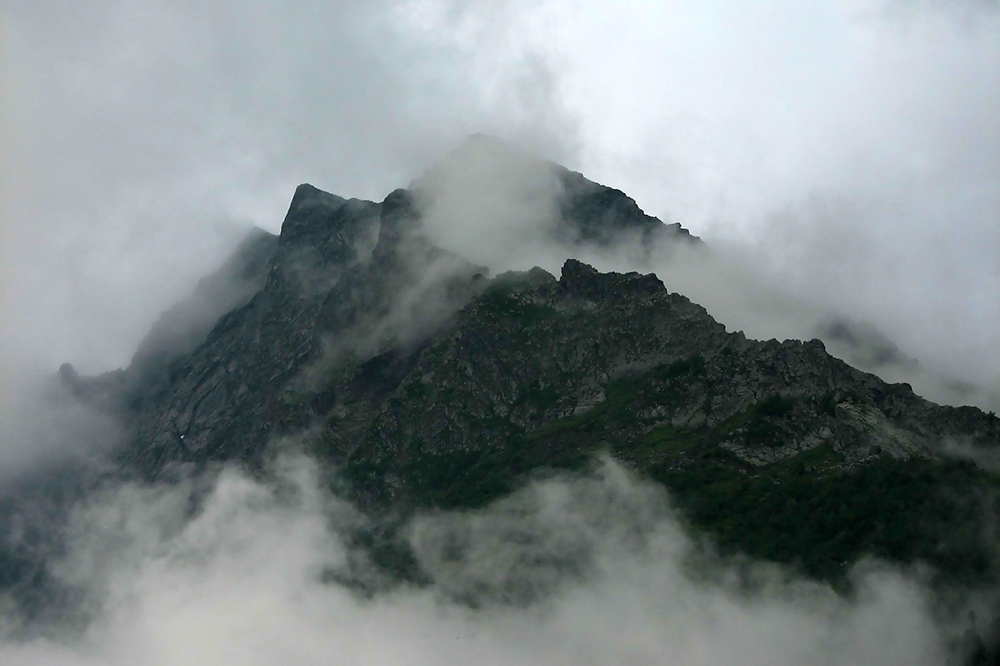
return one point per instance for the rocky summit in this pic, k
(423, 382)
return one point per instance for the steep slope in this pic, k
(426, 384)
(778, 449)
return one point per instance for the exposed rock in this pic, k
(425, 382)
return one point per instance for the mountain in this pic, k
(560, 205)
(424, 383)
(428, 384)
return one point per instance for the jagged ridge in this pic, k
(426, 383)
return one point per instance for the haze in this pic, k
(843, 156)
(850, 148)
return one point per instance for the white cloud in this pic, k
(240, 582)
(140, 135)
(849, 151)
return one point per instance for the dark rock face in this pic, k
(601, 215)
(342, 272)
(428, 384)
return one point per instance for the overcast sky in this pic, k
(848, 151)
(851, 147)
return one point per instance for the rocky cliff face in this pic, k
(427, 383)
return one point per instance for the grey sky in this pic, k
(849, 149)
(847, 152)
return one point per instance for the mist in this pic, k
(596, 569)
(144, 138)
(839, 159)
(847, 150)
(499, 205)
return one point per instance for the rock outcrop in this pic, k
(426, 383)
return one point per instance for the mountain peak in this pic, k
(309, 206)
(426, 385)
(484, 175)
(581, 279)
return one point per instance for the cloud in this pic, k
(848, 152)
(142, 140)
(604, 559)
(494, 204)
(839, 155)
(987, 459)
(501, 206)
(144, 136)
(45, 425)
(847, 148)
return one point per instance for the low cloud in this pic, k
(591, 570)
(44, 425)
(987, 459)
(500, 205)
(840, 156)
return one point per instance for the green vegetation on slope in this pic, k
(811, 511)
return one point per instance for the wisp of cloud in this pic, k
(587, 570)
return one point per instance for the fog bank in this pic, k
(593, 570)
